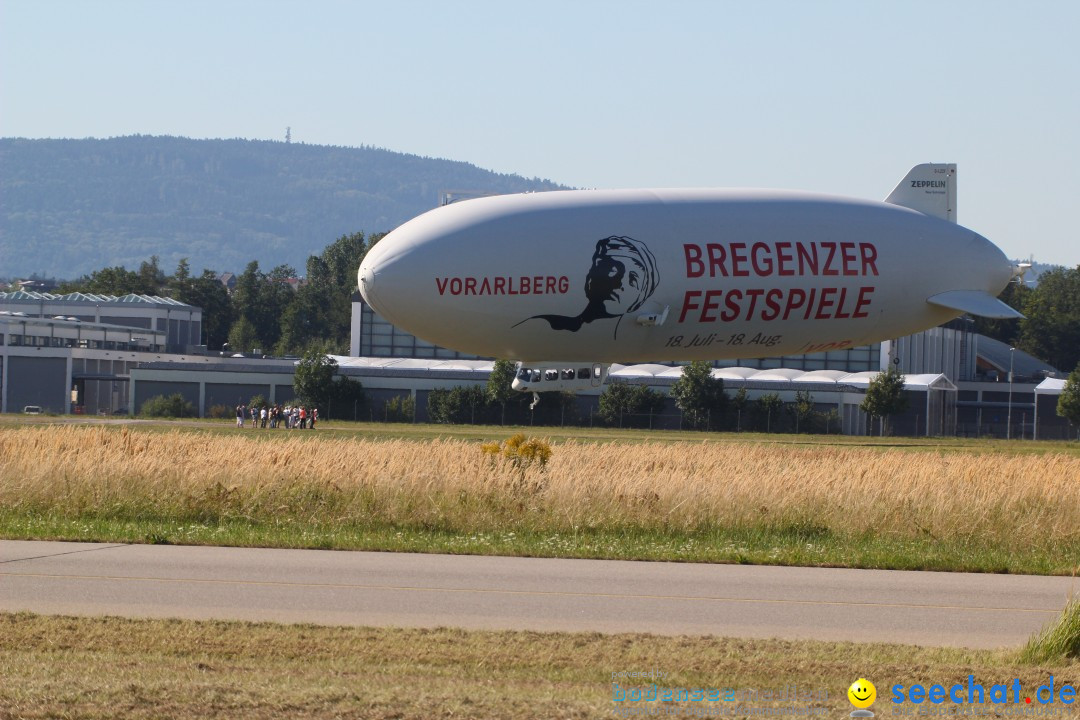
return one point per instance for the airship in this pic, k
(567, 282)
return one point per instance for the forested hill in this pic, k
(68, 207)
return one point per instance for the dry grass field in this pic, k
(807, 493)
(729, 501)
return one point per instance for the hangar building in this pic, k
(73, 353)
(117, 352)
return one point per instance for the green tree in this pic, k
(740, 403)
(1050, 329)
(461, 404)
(242, 337)
(700, 395)
(1068, 405)
(499, 386)
(111, 281)
(204, 292)
(399, 409)
(769, 403)
(275, 296)
(118, 280)
(313, 380)
(262, 300)
(555, 408)
(306, 320)
(802, 411)
(207, 292)
(832, 421)
(245, 297)
(180, 277)
(620, 401)
(322, 307)
(342, 259)
(152, 277)
(885, 396)
(173, 406)
(346, 399)
(1014, 295)
(316, 383)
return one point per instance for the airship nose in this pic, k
(365, 279)
(387, 277)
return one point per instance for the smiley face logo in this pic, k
(862, 693)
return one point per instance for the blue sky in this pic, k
(840, 97)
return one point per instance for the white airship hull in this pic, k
(657, 275)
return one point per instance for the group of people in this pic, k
(275, 416)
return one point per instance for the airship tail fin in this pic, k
(929, 188)
(975, 302)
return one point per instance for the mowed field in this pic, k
(185, 670)
(859, 502)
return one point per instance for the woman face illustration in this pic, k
(621, 278)
(605, 284)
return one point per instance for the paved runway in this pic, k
(412, 590)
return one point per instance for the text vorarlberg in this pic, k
(520, 285)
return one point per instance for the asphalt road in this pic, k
(413, 590)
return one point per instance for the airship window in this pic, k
(583, 374)
(523, 374)
(551, 375)
(568, 374)
(535, 376)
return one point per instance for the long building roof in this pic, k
(1000, 355)
(821, 379)
(478, 370)
(27, 296)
